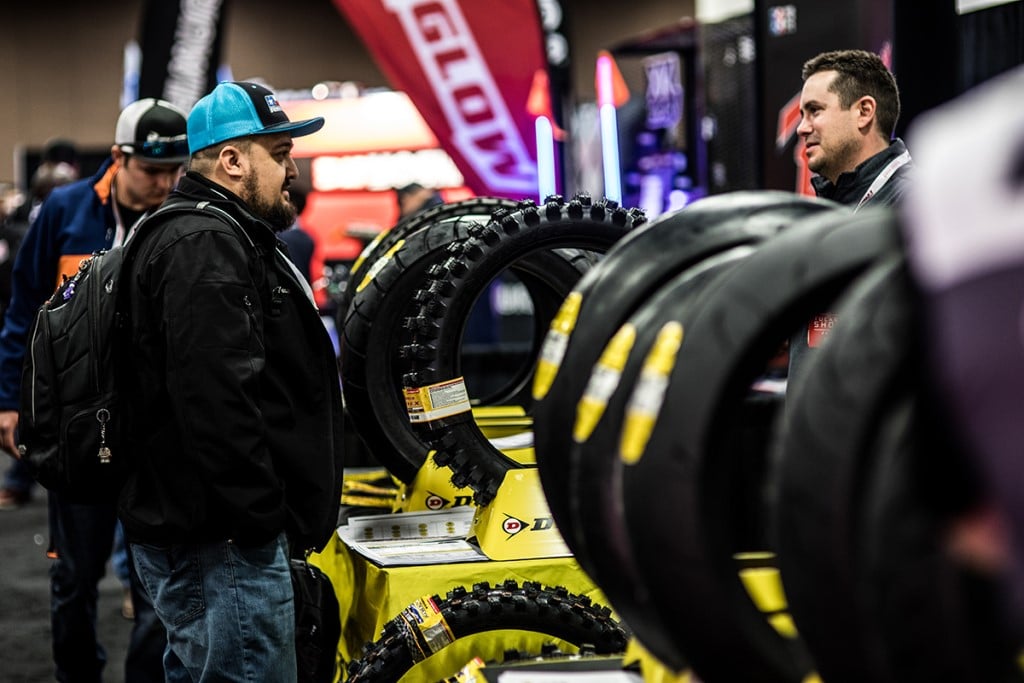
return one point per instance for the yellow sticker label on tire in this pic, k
(649, 393)
(603, 380)
(428, 627)
(378, 265)
(555, 344)
(433, 402)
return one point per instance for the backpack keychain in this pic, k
(103, 416)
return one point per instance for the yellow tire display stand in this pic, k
(515, 526)
(515, 531)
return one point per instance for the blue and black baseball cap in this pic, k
(239, 109)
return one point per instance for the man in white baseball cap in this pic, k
(74, 221)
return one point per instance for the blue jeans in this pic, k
(119, 556)
(228, 610)
(83, 536)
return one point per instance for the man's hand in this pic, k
(8, 425)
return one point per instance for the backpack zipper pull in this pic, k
(103, 416)
(277, 296)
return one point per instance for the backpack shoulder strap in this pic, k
(187, 206)
(165, 210)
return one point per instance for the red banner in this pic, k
(468, 66)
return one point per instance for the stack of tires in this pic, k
(408, 301)
(669, 451)
(679, 433)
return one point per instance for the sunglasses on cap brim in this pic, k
(160, 149)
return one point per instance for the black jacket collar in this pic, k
(197, 187)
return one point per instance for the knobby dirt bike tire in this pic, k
(689, 470)
(578, 223)
(530, 607)
(386, 239)
(373, 335)
(631, 271)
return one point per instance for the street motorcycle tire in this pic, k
(687, 477)
(630, 272)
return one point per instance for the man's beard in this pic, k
(838, 160)
(279, 214)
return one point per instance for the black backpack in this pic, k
(317, 623)
(70, 423)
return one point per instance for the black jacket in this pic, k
(850, 187)
(233, 386)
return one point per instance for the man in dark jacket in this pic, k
(849, 106)
(236, 400)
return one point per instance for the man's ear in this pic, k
(232, 162)
(866, 107)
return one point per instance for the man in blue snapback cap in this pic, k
(236, 404)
